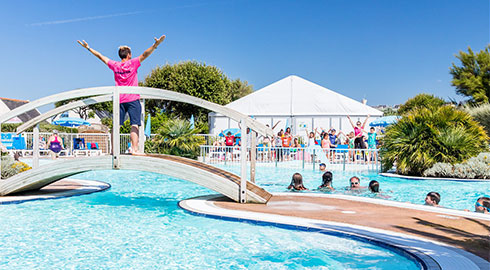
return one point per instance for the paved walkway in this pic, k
(470, 234)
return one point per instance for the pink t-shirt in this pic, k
(126, 74)
(358, 131)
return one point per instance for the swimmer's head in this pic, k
(124, 52)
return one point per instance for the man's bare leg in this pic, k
(134, 139)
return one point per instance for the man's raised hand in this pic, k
(159, 40)
(83, 43)
(97, 54)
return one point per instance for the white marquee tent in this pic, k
(297, 103)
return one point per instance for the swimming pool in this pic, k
(454, 194)
(137, 225)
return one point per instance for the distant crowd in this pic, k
(330, 141)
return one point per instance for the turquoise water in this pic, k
(454, 194)
(137, 224)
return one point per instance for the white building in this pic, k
(8, 104)
(297, 103)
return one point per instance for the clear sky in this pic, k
(384, 51)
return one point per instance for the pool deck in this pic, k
(450, 229)
(60, 189)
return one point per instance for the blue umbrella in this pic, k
(71, 122)
(385, 121)
(148, 126)
(192, 121)
(233, 131)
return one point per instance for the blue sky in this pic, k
(384, 51)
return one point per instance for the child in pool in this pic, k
(327, 181)
(482, 205)
(433, 199)
(374, 188)
(297, 183)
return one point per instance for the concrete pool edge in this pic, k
(421, 178)
(60, 189)
(429, 253)
(407, 205)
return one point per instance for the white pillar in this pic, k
(243, 163)
(141, 130)
(35, 147)
(116, 140)
(253, 156)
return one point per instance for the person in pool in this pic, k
(374, 186)
(297, 183)
(482, 205)
(355, 183)
(323, 167)
(327, 181)
(432, 198)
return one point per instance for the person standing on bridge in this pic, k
(126, 74)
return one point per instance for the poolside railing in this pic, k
(26, 139)
(336, 159)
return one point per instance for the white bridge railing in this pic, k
(335, 159)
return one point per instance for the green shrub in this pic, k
(482, 115)
(427, 136)
(10, 167)
(475, 167)
(420, 101)
(176, 137)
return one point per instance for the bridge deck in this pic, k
(209, 168)
(194, 171)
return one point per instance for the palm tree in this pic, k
(177, 137)
(429, 135)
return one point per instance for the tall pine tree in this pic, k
(472, 78)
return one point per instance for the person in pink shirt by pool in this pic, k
(126, 74)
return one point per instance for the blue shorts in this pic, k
(133, 108)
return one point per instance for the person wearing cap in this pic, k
(126, 74)
(332, 137)
(323, 167)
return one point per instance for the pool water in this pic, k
(454, 194)
(137, 224)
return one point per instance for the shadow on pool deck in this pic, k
(470, 234)
(474, 243)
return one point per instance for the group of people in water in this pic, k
(433, 198)
(326, 185)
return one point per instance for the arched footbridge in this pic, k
(202, 174)
(237, 188)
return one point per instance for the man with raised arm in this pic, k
(126, 74)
